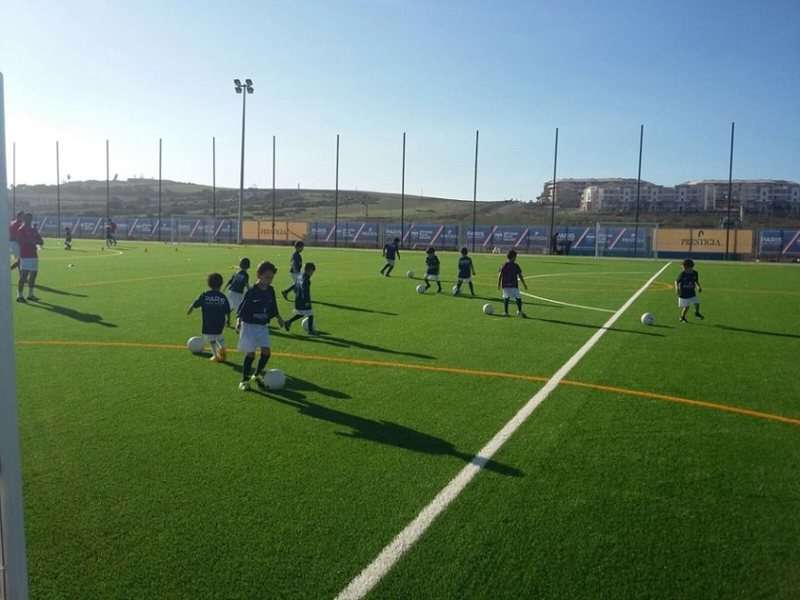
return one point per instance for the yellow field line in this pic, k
(455, 370)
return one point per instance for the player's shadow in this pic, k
(758, 331)
(71, 313)
(59, 292)
(595, 327)
(499, 299)
(377, 431)
(354, 308)
(329, 340)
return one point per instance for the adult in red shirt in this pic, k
(28, 239)
(12, 238)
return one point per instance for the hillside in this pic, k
(139, 197)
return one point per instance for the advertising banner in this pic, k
(779, 243)
(704, 241)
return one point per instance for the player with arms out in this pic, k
(687, 286)
(29, 240)
(258, 307)
(302, 300)
(432, 269)
(237, 285)
(295, 268)
(13, 245)
(391, 252)
(465, 272)
(216, 310)
(510, 275)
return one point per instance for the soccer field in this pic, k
(666, 464)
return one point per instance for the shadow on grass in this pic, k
(354, 308)
(758, 331)
(329, 340)
(59, 292)
(376, 431)
(584, 325)
(70, 313)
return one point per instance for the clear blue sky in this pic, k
(82, 72)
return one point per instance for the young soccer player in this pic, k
(295, 268)
(237, 285)
(28, 239)
(432, 269)
(465, 272)
(302, 300)
(216, 311)
(13, 228)
(258, 307)
(67, 238)
(392, 252)
(510, 274)
(687, 285)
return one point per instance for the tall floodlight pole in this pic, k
(273, 191)
(638, 188)
(403, 194)
(108, 187)
(243, 89)
(14, 177)
(58, 192)
(336, 199)
(214, 177)
(553, 197)
(14, 574)
(730, 198)
(475, 191)
(159, 189)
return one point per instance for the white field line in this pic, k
(361, 585)
(595, 308)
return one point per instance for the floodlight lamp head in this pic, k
(237, 82)
(249, 90)
(248, 82)
(238, 90)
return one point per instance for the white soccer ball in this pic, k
(648, 319)
(410, 274)
(274, 379)
(488, 309)
(455, 290)
(195, 344)
(420, 289)
(305, 323)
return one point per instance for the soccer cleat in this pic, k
(21, 299)
(683, 320)
(33, 298)
(699, 316)
(244, 386)
(259, 381)
(222, 355)
(215, 359)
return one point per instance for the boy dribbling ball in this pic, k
(432, 269)
(258, 307)
(295, 268)
(510, 274)
(687, 286)
(302, 300)
(465, 272)
(216, 310)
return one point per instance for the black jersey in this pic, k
(464, 267)
(391, 251)
(296, 264)
(302, 296)
(432, 262)
(215, 308)
(687, 284)
(238, 282)
(258, 306)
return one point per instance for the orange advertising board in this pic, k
(704, 241)
(284, 231)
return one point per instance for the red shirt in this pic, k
(13, 228)
(28, 238)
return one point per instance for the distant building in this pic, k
(707, 195)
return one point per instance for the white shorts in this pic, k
(390, 262)
(296, 278)
(687, 302)
(304, 312)
(214, 337)
(431, 277)
(511, 293)
(252, 337)
(235, 299)
(29, 264)
(465, 279)
(13, 248)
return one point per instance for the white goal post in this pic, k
(13, 569)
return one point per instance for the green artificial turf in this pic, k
(147, 474)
